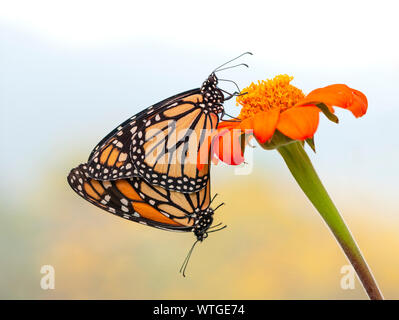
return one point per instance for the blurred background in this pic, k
(72, 71)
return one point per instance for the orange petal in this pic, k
(299, 123)
(359, 105)
(247, 124)
(265, 123)
(339, 95)
(228, 124)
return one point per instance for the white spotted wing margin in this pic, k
(111, 158)
(107, 196)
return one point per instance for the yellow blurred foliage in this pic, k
(275, 247)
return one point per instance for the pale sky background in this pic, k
(343, 33)
(71, 71)
(75, 69)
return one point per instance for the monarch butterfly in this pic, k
(190, 117)
(136, 200)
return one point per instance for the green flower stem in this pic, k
(302, 169)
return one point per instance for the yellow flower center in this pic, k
(265, 95)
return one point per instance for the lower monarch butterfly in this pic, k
(136, 200)
(191, 116)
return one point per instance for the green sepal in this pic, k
(331, 116)
(276, 141)
(310, 142)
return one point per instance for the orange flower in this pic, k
(274, 107)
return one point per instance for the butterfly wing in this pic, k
(110, 159)
(175, 205)
(165, 149)
(122, 198)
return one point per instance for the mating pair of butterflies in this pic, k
(146, 170)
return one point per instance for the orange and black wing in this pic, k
(111, 159)
(175, 205)
(165, 149)
(125, 199)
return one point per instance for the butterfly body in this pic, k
(143, 145)
(151, 168)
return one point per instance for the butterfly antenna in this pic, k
(222, 204)
(242, 54)
(237, 65)
(213, 198)
(187, 259)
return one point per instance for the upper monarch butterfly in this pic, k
(128, 150)
(136, 200)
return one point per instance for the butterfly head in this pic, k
(203, 222)
(213, 96)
